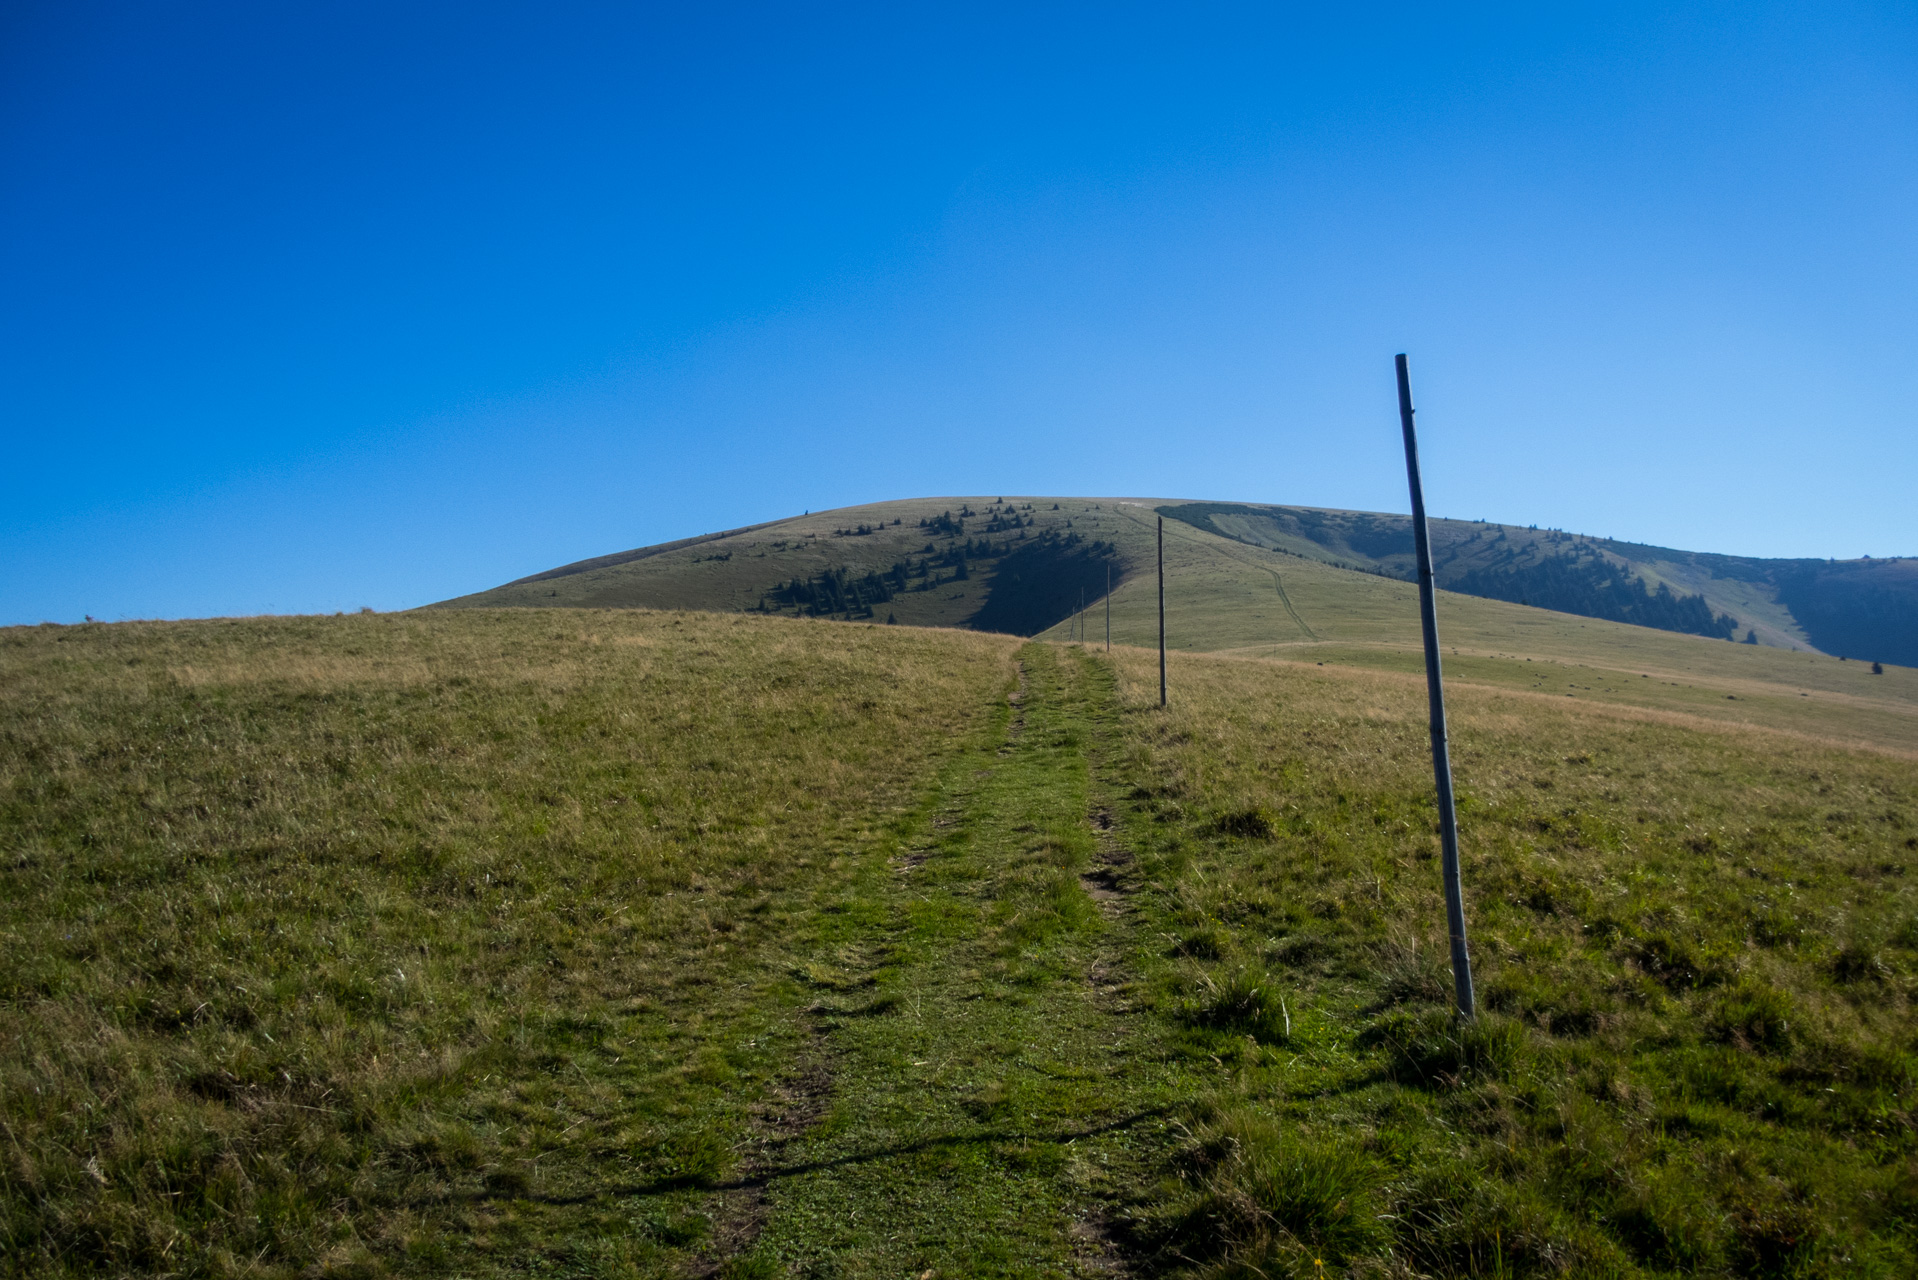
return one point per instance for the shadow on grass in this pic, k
(766, 1177)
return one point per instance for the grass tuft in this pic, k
(1434, 1050)
(1755, 1016)
(1249, 824)
(1260, 1194)
(1244, 1000)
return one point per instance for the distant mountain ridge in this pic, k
(1864, 608)
(1023, 564)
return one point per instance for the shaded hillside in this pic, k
(1012, 565)
(1860, 608)
(1043, 580)
(1030, 581)
(1596, 587)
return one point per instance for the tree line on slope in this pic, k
(1577, 581)
(1036, 578)
(1594, 587)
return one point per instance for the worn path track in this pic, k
(990, 1092)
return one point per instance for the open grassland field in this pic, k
(631, 943)
(1696, 947)
(405, 938)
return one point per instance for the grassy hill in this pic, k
(1029, 562)
(633, 943)
(1012, 565)
(1020, 565)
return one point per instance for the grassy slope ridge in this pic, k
(1862, 609)
(1027, 579)
(1228, 597)
(627, 943)
(1225, 594)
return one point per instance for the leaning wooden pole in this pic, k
(1435, 692)
(1162, 611)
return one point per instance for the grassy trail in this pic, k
(989, 1090)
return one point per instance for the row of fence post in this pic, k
(1464, 997)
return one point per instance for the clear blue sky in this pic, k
(315, 306)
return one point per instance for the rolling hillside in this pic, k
(1235, 599)
(1857, 608)
(1020, 565)
(1013, 565)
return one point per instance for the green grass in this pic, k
(1746, 588)
(1695, 949)
(1007, 1092)
(412, 942)
(618, 943)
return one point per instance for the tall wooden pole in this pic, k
(1435, 692)
(1162, 611)
(1108, 606)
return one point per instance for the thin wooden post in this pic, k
(1435, 693)
(1108, 606)
(1162, 611)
